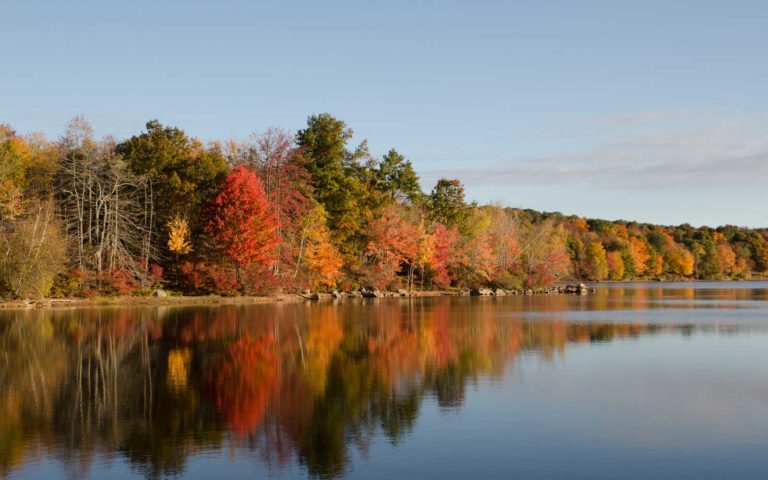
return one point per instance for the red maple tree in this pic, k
(242, 222)
(445, 249)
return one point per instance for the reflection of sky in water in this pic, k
(740, 316)
(655, 407)
(671, 286)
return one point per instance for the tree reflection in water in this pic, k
(286, 382)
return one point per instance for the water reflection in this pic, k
(303, 384)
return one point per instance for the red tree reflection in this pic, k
(243, 381)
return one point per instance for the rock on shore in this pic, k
(373, 292)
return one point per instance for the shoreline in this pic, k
(218, 300)
(182, 300)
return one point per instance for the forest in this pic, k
(312, 210)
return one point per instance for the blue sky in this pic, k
(653, 111)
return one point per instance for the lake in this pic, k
(635, 381)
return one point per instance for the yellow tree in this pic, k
(14, 159)
(678, 260)
(322, 259)
(178, 236)
(426, 254)
(638, 250)
(597, 263)
(726, 258)
(615, 265)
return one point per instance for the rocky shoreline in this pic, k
(372, 292)
(162, 299)
(575, 289)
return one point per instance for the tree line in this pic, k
(311, 210)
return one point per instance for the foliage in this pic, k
(337, 177)
(447, 205)
(178, 236)
(199, 277)
(393, 245)
(304, 211)
(181, 174)
(396, 177)
(615, 263)
(242, 222)
(596, 263)
(323, 261)
(14, 160)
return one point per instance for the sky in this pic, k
(653, 111)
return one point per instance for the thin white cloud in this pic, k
(643, 151)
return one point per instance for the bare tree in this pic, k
(106, 209)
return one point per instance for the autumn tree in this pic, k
(678, 261)
(393, 244)
(615, 265)
(478, 265)
(638, 250)
(181, 172)
(504, 230)
(274, 157)
(544, 255)
(444, 257)
(317, 254)
(178, 236)
(426, 255)
(596, 262)
(727, 259)
(42, 166)
(14, 160)
(242, 222)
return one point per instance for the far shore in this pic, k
(217, 300)
(181, 300)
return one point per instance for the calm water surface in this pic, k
(636, 381)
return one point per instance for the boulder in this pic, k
(371, 292)
(481, 292)
(499, 292)
(336, 294)
(403, 292)
(159, 293)
(577, 289)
